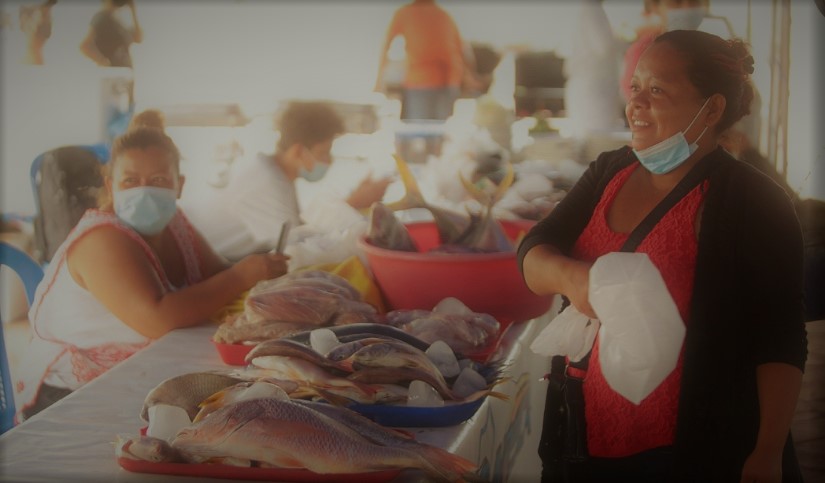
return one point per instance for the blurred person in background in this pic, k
(153, 118)
(36, 25)
(108, 41)
(660, 16)
(128, 273)
(590, 95)
(435, 61)
(731, 255)
(247, 215)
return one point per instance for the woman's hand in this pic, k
(261, 266)
(763, 466)
(368, 192)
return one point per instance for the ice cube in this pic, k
(165, 421)
(468, 382)
(323, 340)
(452, 305)
(444, 358)
(421, 394)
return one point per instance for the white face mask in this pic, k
(147, 209)
(685, 18)
(667, 155)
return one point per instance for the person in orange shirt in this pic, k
(435, 64)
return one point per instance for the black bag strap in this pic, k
(698, 173)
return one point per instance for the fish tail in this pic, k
(412, 193)
(449, 466)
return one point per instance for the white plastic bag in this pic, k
(641, 331)
(570, 333)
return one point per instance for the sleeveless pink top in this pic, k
(74, 337)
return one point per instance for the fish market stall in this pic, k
(73, 440)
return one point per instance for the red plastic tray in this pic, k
(247, 473)
(233, 354)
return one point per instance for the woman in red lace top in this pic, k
(730, 254)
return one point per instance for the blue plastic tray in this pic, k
(418, 417)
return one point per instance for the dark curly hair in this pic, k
(716, 66)
(308, 123)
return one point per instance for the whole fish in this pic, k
(308, 373)
(293, 349)
(386, 231)
(186, 391)
(403, 375)
(392, 354)
(239, 330)
(319, 277)
(345, 333)
(285, 434)
(487, 234)
(449, 223)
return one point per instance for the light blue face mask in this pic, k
(665, 156)
(147, 209)
(319, 169)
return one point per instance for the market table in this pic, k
(73, 439)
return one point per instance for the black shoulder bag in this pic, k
(564, 432)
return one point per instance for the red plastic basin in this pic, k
(485, 282)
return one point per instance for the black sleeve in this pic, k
(770, 261)
(562, 227)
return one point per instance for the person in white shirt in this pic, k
(246, 216)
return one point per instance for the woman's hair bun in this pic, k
(747, 64)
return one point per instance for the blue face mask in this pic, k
(147, 209)
(665, 156)
(319, 169)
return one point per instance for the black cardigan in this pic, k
(746, 308)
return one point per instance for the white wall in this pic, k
(256, 52)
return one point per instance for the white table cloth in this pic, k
(73, 439)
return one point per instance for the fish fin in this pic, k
(412, 193)
(332, 398)
(210, 405)
(475, 192)
(449, 466)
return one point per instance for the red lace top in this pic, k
(615, 426)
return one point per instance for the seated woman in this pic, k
(129, 272)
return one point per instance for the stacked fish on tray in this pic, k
(293, 303)
(218, 419)
(371, 364)
(288, 407)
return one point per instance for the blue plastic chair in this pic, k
(101, 150)
(31, 274)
